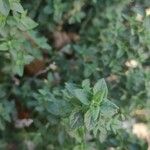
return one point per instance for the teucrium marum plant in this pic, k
(17, 37)
(82, 108)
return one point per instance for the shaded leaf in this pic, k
(108, 108)
(86, 85)
(88, 120)
(100, 91)
(95, 112)
(16, 6)
(102, 135)
(59, 108)
(4, 7)
(26, 23)
(100, 86)
(76, 119)
(4, 47)
(82, 96)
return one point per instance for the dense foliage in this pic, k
(56, 57)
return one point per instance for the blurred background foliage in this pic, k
(73, 41)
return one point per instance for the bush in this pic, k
(56, 59)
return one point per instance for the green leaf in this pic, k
(108, 108)
(4, 7)
(77, 134)
(58, 107)
(116, 124)
(147, 23)
(19, 63)
(100, 91)
(100, 86)
(95, 112)
(94, 1)
(88, 120)
(98, 98)
(89, 69)
(40, 41)
(1, 108)
(76, 119)
(2, 125)
(79, 147)
(28, 58)
(4, 46)
(2, 20)
(18, 69)
(16, 6)
(70, 88)
(102, 135)
(86, 85)
(6, 116)
(26, 23)
(82, 96)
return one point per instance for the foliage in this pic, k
(54, 56)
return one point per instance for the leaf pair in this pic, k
(7, 5)
(100, 92)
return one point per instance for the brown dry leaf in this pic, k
(16, 80)
(131, 63)
(62, 38)
(142, 113)
(142, 131)
(53, 66)
(34, 67)
(21, 123)
(11, 146)
(30, 145)
(139, 17)
(112, 77)
(111, 148)
(147, 11)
